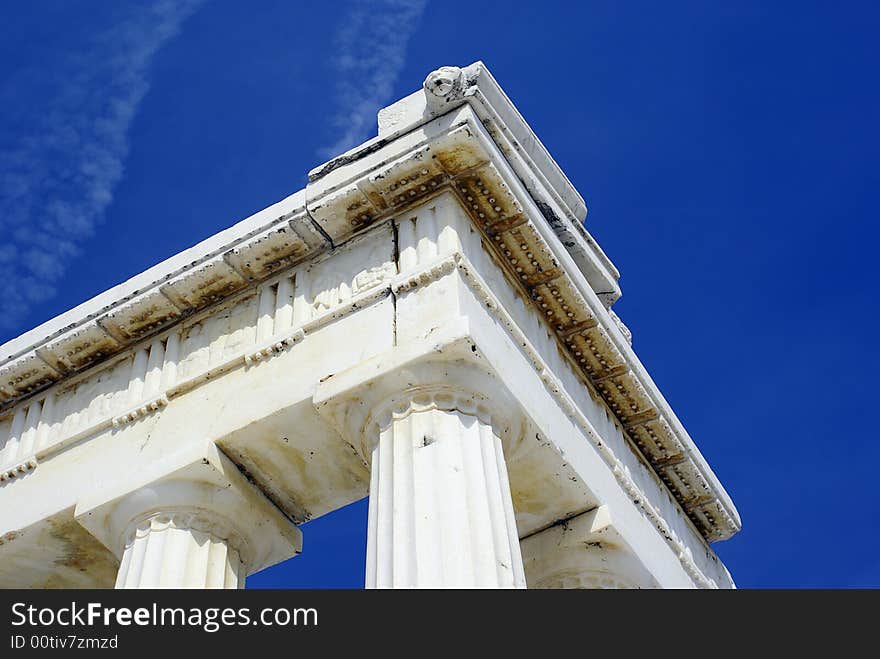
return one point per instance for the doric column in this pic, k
(431, 432)
(440, 508)
(183, 549)
(585, 551)
(200, 524)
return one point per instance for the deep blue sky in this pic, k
(727, 153)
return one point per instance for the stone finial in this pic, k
(444, 84)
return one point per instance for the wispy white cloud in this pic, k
(370, 47)
(64, 142)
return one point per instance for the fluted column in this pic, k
(192, 520)
(180, 550)
(440, 511)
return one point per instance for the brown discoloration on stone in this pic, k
(206, 286)
(277, 249)
(460, 153)
(81, 553)
(301, 473)
(655, 440)
(213, 289)
(359, 213)
(8, 537)
(413, 178)
(27, 375)
(81, 354)
(55, 553)
(148, 320)
(86, 345)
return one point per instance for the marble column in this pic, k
(202, 524)
(182, 549)
(440, 510)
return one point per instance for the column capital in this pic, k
(443, 374)
(204, 493)
(585, 551)
(435, 396)
(202, 520)
(429, 418)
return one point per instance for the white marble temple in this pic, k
(428, 323)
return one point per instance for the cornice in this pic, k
(563, 207)
(280, 236)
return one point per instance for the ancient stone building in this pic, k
(428, 323)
